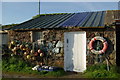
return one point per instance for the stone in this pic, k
(112, 62)
(112, 56)
(54, 35)
(58, 55)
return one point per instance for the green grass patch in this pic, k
(14, 64)
(18, 65)
(100, 71)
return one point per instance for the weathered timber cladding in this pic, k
(53, 35)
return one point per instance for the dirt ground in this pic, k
(19, 75)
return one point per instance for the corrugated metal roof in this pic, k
(87, 19)
(74, 20)
(81, 20)
(47, 21)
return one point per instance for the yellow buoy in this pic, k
(33, 58)
(25, 53)
(24, 49)
(28, 56)
(41, 54)
(12, 42)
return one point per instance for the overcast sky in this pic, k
(17, 12)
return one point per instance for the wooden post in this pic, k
(117, 24)
(107, 65)
(39, 7)
(31, 35)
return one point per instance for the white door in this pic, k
(75, 51)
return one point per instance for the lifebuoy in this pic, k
(105, 45)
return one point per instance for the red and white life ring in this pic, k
(105, 45)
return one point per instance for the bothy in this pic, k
(65, 39)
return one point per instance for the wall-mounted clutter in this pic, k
(39, 54)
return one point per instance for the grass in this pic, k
(36, 16)
(17, 65)
(100, 71)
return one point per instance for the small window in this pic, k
(37, 36)
(4, 38)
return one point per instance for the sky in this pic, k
(60, 0)
(17, 12)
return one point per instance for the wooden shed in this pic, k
(67, 37)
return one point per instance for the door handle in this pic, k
(67, 41)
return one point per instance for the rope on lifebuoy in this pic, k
(105, 45)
